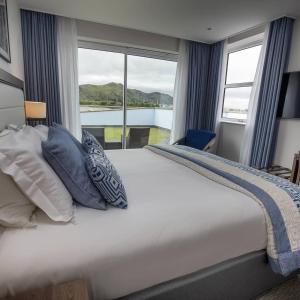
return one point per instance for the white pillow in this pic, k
(15, 208)
(21, 158)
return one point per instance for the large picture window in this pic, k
(240, 73)
(126, 99)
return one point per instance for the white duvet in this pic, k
(177, 222)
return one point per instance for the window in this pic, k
(126, 98)
(101, 77)
(240, 73)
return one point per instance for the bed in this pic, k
(171, 242)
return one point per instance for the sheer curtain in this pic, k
(180, 92)
(67, 48)
(247, 141)
(221, 95)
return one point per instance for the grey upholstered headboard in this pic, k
(11, 100)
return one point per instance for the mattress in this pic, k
(177, 222)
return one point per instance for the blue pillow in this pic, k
(77, 143)
(66, 159)
(106, 177)
(198, 138)
(89, 141)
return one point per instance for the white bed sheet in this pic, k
(177, 222)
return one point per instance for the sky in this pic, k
(241, 68)
(237, 98)
(145, 74)
(242, 65)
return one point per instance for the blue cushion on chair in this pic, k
(198, 138)
(66, 158)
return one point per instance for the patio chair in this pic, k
(198, 139)
(137, 138)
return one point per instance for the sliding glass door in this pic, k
(101, 76)
(126, 100)
(150, 85)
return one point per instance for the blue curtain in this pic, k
(213, 84)
(41, 62)
(203, 85)
(265, 130)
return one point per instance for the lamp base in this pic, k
(36, 121)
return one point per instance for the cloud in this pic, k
(146, 74)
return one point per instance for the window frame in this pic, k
(127, 50)
(236, 47)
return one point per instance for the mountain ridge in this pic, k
(112, 94)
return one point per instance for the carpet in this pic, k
(289, 290)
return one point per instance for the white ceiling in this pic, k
(187, 19)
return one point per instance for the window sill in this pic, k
(232, 122)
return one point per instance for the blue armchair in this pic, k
(199, 139)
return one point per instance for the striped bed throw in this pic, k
(279, 199)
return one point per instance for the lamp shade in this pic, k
(35, 110)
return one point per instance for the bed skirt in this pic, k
(241, 278)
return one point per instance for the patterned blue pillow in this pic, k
(89, 141)
(106, 178)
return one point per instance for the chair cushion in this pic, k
(198, 138)
(66, 159)
(106, 177)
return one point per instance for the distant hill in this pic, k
(111, 94)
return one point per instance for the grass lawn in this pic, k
(157, 135)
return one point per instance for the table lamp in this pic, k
(35, 110)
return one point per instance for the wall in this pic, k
(123, 36)
(16, 66)
(288, 142)
(229, 143)
(294, 61)
(288, 139)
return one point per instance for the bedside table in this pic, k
(73, 290)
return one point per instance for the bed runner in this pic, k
(279, 199)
